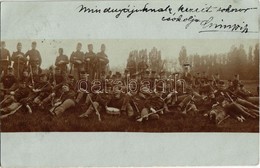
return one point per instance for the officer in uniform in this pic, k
(5, 59)
(20, 62)
(76, 60)
(102, 61)
(61, 62)
(90, 61)
(35, 59)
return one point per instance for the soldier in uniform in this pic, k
(90, 61)
(16, 97)
(61, 62)
(65, 101)
(5, 59)
(58, 77)
(102, 61)
(20, 61)
(41, 90)
(9, 81)
(76, 60)
(35, 59)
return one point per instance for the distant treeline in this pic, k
(236, 61)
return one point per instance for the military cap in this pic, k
(82, 72)
(147, 72)
(186, 64)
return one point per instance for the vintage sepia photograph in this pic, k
(130, 85)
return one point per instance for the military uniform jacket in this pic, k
(35, 57)
(77, 55)
(68, 95)
(62, 66)
(21, 93)
(102, 60)
(8, 81)
(5, 57)
(18, 60)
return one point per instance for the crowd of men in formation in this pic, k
(26, 86)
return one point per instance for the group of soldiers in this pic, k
(150, 94)
(90, 62)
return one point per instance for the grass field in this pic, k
(43, 121)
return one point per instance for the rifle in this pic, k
(53, 75)
(134, 104)
(12, 112)
(31, 73)
(185, 109)
(240, 107)
(4, 100)
(96, 110)
(147, 115)
(18, 60)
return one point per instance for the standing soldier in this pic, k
(35, 59)
(102, 60)
(76, 60)
(20, 62)
(90, 61)
(61, 62)
(5, 59)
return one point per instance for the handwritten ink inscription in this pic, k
(182, 14)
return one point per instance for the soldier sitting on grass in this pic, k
(65, 101)
(15, 98)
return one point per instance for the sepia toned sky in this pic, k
(118, 50)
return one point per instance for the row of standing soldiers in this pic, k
(93, 64)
